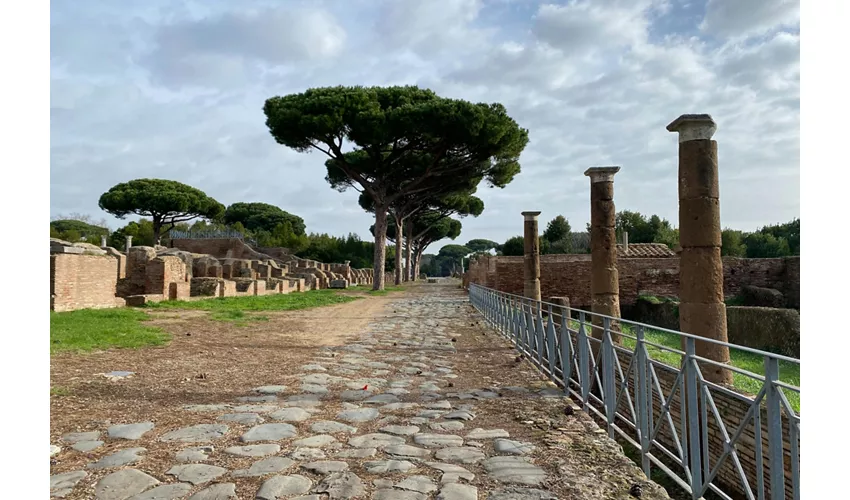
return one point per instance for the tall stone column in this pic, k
(702, 311)
(532, 256)
(129, 243)
(604, 279)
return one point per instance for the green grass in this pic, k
(788, 372)
(386, 290)
(236, 316)
(224, 306)
(59, 391)
(89, 329)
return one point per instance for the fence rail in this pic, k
(732, 444)
(203, 235)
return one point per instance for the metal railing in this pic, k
(203, 235)
(710, 437)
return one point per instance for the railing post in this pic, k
(566, 352)
(692, 410)
(583, 361)
(644, 400)
(539, 331)
(550, 343)
(609, 390)
(774, 429)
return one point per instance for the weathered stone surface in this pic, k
(354, 395)
(405, 450)
(459, 415)
(399, 406)
(271, 465)
(375, 441)
(254, 408)
(194, 454)
(206, 408)
(326, 466)
(514, 493)
(514, 470)
(422, 484)
(222, 491)
(270, 389)
(307, 454)
(430, 414)
(257, 399)
(61, 485)
(291, 414)
(439, 405)
(54, 449)
(342, 485)
(329, 426)
(480, 433)
(253, 450)
(196, 473)
(383, 466)
(451, 473)
(314, 368)
(513, 447)
(462, 454)
(358, 453)
(437, 440)
(451, 425)
(388, 494)
(358, 415)
(123, 484)
(317, 441)
(314, 388)
(87, 446)
(201, 433)
(129, 431)
(283, 486)
(400, 430)
(268, 432)
(164, 492)
(76, 437)
(458, 491)
(241, 418)
(119, 458)
(381, 399)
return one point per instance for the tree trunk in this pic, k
(417, 259)
(380, 247)
(399, 239)
(409, 269)
(157, 227)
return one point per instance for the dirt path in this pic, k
(406, 396)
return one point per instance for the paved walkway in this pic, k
(425, 404)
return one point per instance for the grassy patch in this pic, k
(223, 306)
(90, 329)
(788, 372)
(59, 391)
(734, 300)
(236, 316)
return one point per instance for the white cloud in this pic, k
(594, 82)
(735, 18)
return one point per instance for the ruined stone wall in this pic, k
(83, 281)
(568, 275)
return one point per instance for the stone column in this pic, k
(604, 279)
(702, 311)
(532, 257)
(129, 243)
(103, 241)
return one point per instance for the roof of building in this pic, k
(644, 250)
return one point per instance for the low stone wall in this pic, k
(79, 281)
(768, 329)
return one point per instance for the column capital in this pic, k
(601, 174)
(530, 215)
(693, 127)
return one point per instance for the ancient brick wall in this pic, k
(569, 276)
(161, 272)
(83, 281)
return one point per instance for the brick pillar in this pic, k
(702, 311)
(604, 280)
(532, 257)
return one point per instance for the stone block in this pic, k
(701, 275)
(602, 191)
(339, 284)
(179, 290)
(59, 248)
(604, 279)
(699, 222)
(698, 174)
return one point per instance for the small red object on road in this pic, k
(365, 387)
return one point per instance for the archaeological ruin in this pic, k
(84, 276)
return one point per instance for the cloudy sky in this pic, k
(174, 89)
